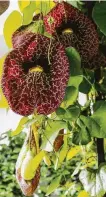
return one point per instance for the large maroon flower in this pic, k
(26, 90)
(84, 38)
(99, 60)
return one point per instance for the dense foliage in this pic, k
(8, 157)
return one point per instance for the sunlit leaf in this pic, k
(61, 156)
(23, 4)
(83, 193)
(37, 159)
(88, 180)
(73, 152)
(28, 13)
(75, 81)
(71, 95)
(11, 25)
(53, 186)
(47, 159)
(20, 126)
(1, 65)
(31, 164)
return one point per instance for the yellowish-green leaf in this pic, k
(1, 65)
(47, 159)
(36, 136)
(83, 193)
(19, 127)
(3, 101)
(28, 13)
(73, 152)
(12, 23)
(31, 164)
(62, 155)
(23, 4)
(53, 186)
(26, 168)
(37, 160)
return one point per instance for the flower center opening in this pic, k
(36, 69)
(67, 30)
(36, 65)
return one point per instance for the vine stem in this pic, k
(100, 150)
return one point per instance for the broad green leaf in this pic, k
(71, 95)
(75, 61)
(11, 25)
(72, 113)
(19, 127)
(60, 112)
(87, 83)
(73, 152)
(75, 81)
(82, 134)
(54, 185)
(92, 126)
(99, 117)
(85, 87)
(3, 101)
(99, 15)
(23, 4)
(51, 131)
